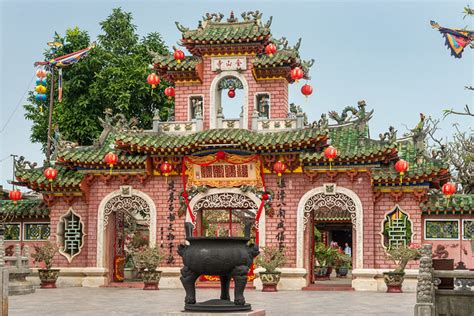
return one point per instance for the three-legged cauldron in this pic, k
(227, 257)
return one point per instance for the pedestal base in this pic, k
(217, 305)
(259, 312)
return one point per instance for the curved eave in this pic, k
(384, 156)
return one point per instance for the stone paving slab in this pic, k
(122, 301)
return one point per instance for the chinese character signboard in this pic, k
(228, 63)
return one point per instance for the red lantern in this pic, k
(111, 159)
(15, 195)
(330, 153)
(178, 55)
(153, 80)
(296, 74)
(220, 155)
(50, 174)
(279, 167)
(401, 166)
(169, 92)
(270, 49)
(40, 73)
(231, 93)
(448, 189)
(306, 90)
(166, 168)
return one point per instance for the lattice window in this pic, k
(442, 229)
(70, 234)
(468, 229)
(36, 231)
(12, 231)
(397, 229)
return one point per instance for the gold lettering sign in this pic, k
(235, 171)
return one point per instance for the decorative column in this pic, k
(255, 117)
(4, 277)
(299, 120)
(425, 290)
(199, 122)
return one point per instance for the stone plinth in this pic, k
(258, 312)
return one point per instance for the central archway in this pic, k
(215, 97)
(228, 198)
(339, 197)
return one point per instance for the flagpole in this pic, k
(50, 120)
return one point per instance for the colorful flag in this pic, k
(456, 39)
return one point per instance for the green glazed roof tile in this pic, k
(456, 203)
(34, 177)
(25, 208)
(227, 32)
(168, 62)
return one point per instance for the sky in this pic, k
(383, 52)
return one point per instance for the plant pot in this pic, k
(320, 273)
(151, 279)
(328, 272)
(48, 278)
(270, 281)
(341, 272)
(394, 281)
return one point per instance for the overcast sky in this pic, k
(384, 52)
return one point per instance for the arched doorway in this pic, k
(320, 200)
(126, 221)
(222, 82)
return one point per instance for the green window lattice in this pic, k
(36, 231)
(12, 232)
(397, 229)
(468, 228)
(445, 229)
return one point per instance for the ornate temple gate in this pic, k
(128, 215)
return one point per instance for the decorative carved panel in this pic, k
(132, 206)
(70, 234)
(322, 201)
(224, 201)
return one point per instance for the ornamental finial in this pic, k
(232, 18)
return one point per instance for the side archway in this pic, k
(338, 197)
(234, 197)
(104, 212)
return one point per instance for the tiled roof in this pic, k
(169, 63)
(93, 156)
(417, 172)
(458, 203)
(331, 215)
(65, 180)
(222, 32)
(351, 148)
(239, 138)
(282, 57)
(25, 208)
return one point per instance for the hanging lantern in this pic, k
(401, 166)
(178, 55)
(40, 97)
(50, 174)
(40, 89)
(169, 92)
(296, 74)
(40, 73)
(15, 195)
(41, 81)
(279, 167)
(111, 159)
(166, 168)
(448, 189)
(270, 49)
(306, 90)
(153, 80)
(330, 153)
(231, 93)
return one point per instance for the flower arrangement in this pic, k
(45, 253)
(271, 258)
(402, 255)
(148, 259)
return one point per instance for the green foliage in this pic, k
(342, 259)
(271, 258)
(113, 75)
(45, 253)
(402, 255)
(326, 256)
(148, 259)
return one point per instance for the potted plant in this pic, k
(320, 267)
(270, 258)
(45, 254)
(401, 256)
(342, 263)
(147, 261)
(331, 256)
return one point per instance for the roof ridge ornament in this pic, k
(389, 137)
(181, 28)
(232, 18)
(21, 164)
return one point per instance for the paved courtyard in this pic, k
(122, 301)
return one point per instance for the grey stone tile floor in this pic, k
(125, 301)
